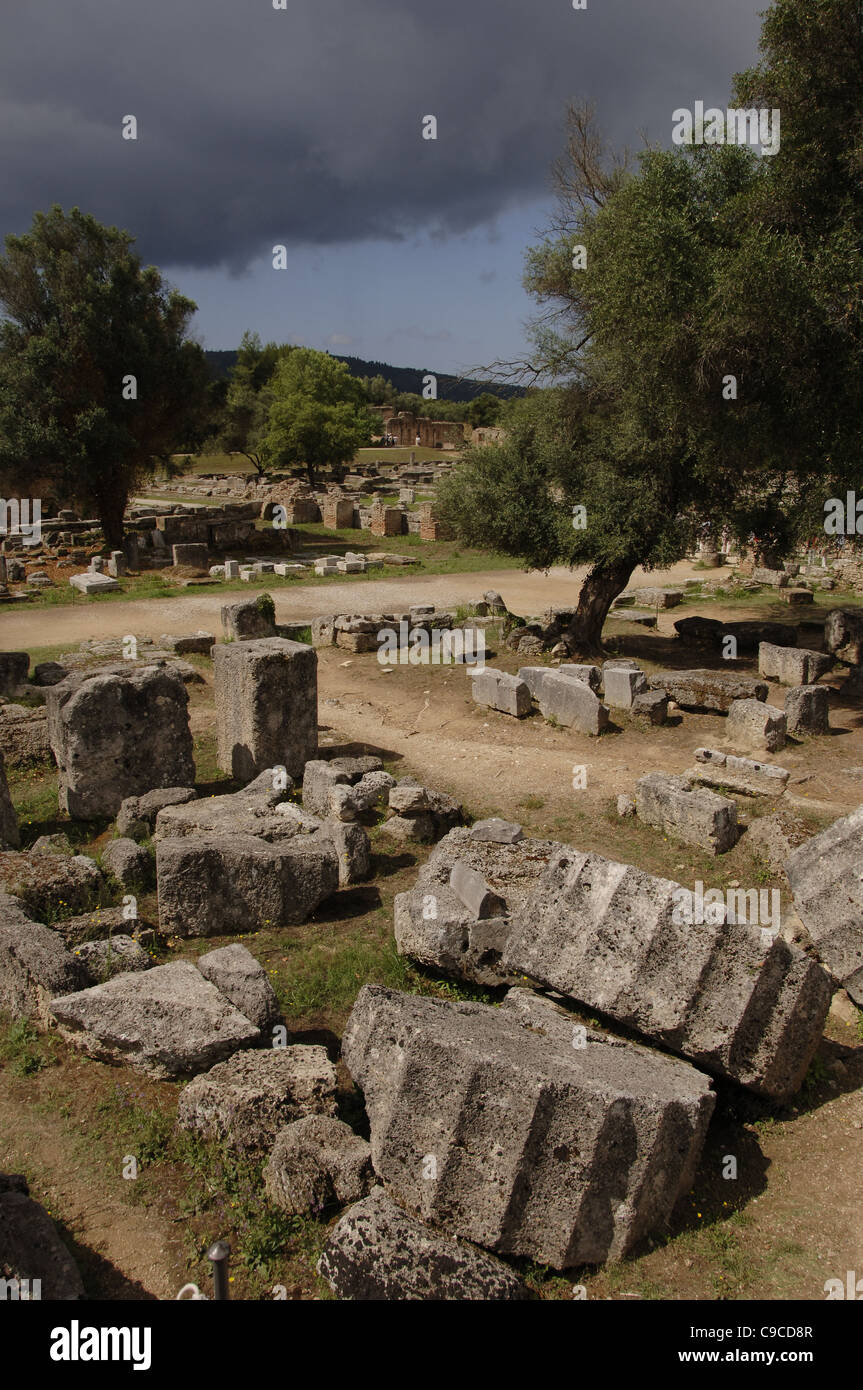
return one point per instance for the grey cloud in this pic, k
(259, 127)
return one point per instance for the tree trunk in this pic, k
(111, 515)
(598, 592)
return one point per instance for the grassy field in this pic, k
(195, 464)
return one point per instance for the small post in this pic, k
(219, 1255)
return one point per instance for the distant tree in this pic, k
(317, 415)
(243, 420)
(98, 378)
(484, 410)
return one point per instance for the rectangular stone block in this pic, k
(753, 725)
(807, 711)
(560, 1153)
(622, 685)
(696, 817)
(571, 703)
(14, 670)
(266, 693)
(792, 665)
(717, 769)
(218, 885)
(501, 691)
(705, 689)
(616, 939)
(824, 874)
(580, 672)
(117, 732)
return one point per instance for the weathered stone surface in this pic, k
(117, 733)
(753, 725)
(236, 974)
(24, 735)
(616, 939)
(773, 837)
(408, 799)
(696, 817)
(792, 665)
(216, 885)
(747, 635)
(474, 893)
(717, 769)
(47, 884)
(168, 1021)
(378, 1252)
(93, 583)
(34, 964)
(567, 701)
(703, 689)
(650, 707)
(266, 705)
(319, 779)
(10, 835)
(582, 672)
(560, 1153)
(14, 669)
(825, 878)
(127, 862)
(250, 1097)
(807, 711)
(255, 810)
(352, 845)
(777, 579)
(136, 817)
(843, 634)
(49, 673)
(501, 691)
(31, 1251)
(500, 832)
(420, 828)
(434, 927)
(798, 597)
(116, 955)
(622, 685)
(659, 598)
(182, 643)
(249, 619)
(316, 1163)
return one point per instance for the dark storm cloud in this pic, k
(260, 126)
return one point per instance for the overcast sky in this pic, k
(303, 127)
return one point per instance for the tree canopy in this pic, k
(317, 414)
(98, 377)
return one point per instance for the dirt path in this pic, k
(524, 593)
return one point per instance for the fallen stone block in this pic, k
(753, 725)
(117, 733)
(777, 579)
(747, 635)
(266, 694)
(319, 779)
(716, 769)
(167, 1022)
(34, 964)
(136, 817)
(649, 707)
(92, 583)
(797, 597)
(843, 635)
(581, 672)
(127, 862)
(622, 685)
(658, 598)
(14, 670)
(792, 665)
(315, 1163)
(807, 711)
(34, 1262)
(419, 828)
(709, 690)
(825, 878)
(211, 885)
(199, 642)
(351, 843)
(247, 1099)
(250, 618)
(376, 1251)
(114, 956)
(500, 691)
(492, 1124)
(571, 703)
(499, 832)
(408, 799)
(50, 884)
(617, 940)
(243, 980)
(696, 817)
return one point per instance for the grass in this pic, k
(22, 1049)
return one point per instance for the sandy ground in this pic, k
(525, 594)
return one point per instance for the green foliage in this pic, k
(82, 313)
(317, 414)
(22, 1048)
